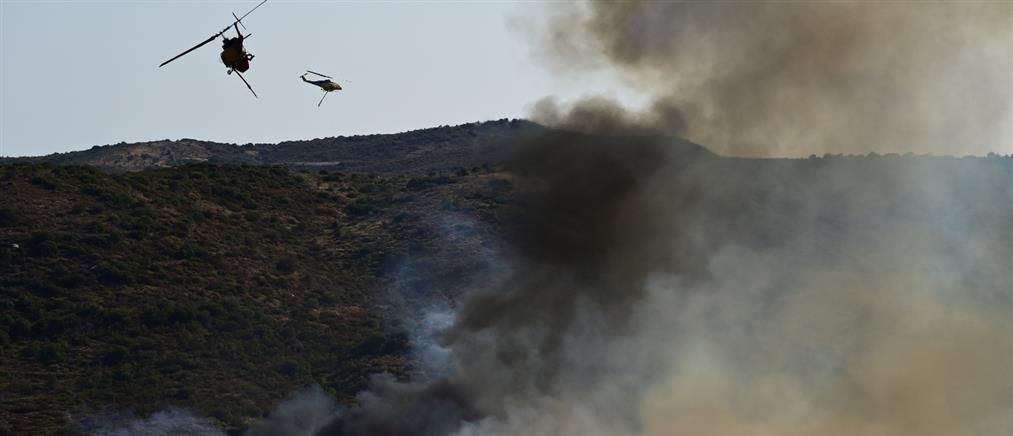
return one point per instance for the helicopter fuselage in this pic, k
(234, 55)
(326, 85)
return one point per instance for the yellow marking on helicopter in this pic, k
(233, 55)
(327, 85)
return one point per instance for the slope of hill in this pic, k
(217, 288)
(438, 148)
(222, 289)
(147, 155)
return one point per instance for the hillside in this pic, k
(222, 289)
(217, 288)
(434, 149)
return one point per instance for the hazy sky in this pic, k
(81, 73)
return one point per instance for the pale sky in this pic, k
(74, 74)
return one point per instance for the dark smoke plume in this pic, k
(585, 240)
(791, 78)
(658, 290)
(653, 288)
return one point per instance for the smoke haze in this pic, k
(776, 78)
(661, 290)
(653, 288)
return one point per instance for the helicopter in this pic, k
(327, 85)
(233, 55)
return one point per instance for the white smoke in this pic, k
(172, 421)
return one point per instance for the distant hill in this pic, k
(434, 149)
(220, 289)
(221, 278)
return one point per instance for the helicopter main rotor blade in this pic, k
(212, 38)
(247, 83)
(322, 98)
(321, 75)
(240, 19)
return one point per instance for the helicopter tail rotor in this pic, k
(238, 20)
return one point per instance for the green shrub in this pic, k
(362, 206)
(42, 245)
(52, 352)
(9, 217)
(286, 265)
(114, 355)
